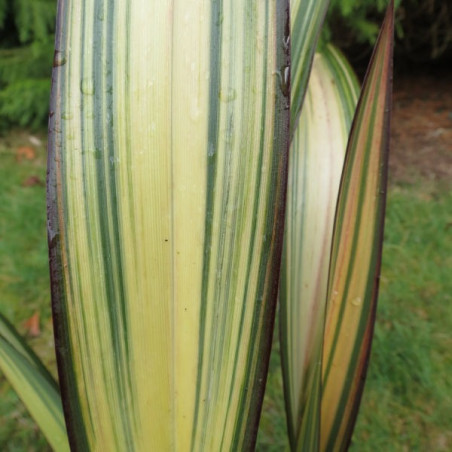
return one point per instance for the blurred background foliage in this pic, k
(423, 30)
(424, 34)
(26, 52)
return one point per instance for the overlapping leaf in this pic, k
(34, 385)
(317, 156)
(306, 19)
(323, 388)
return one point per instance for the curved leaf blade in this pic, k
(315, 167)
(356, 250)
(167, 174)
(34, 385)
(306, 21)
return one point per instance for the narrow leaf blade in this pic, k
(356, 250)
(167, 174)
(306, 21)
(315, 167)
(34, 385)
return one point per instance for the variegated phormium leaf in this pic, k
(316, 161)
(356, 250)
(167, 174)
(34, 385)
(306, 19)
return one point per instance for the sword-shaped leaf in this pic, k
(315, 167)
(306, 19)
(356, 250)
(167, 174)
(33, 384)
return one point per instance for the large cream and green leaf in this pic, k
(167, 173)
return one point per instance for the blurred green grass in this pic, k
(24, 285)
(407, 401)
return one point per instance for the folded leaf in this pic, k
(167, 175)
(306, 19)
(33, 384)
(316, 161)
(356, 250)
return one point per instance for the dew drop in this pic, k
(286, 77)
(67, 115)
(219, 20)
(228, 94)
(195, 111)
(52, 234)
(87, 86)
(96, 153)
(286, 42)
(334, 296)
(357, 301)
(59, 58)
(114, 161)
(53, 237)
(228, 136)
(211, 150)
(284, 80)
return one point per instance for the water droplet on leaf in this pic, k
(59, 58)
(87, 86)
(228, 94)
(67, 115)
(195, 111)
(286, 42)
(211, 150)
(357, 301)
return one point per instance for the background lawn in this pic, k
(408, 397)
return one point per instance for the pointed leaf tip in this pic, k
(356, 250)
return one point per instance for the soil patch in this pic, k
(421, 133)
